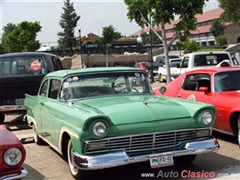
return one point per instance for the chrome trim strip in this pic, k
(119, 158)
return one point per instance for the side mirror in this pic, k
(66, 96)
(204, 89)
(162, 89)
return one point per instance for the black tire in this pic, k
(2, 117)
(36, 137)
(184, 159)
(76, 173)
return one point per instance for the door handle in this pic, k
(42, 103)
(178, 95)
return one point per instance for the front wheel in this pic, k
(2, 117)
(76, 173)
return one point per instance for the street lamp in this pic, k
(87, 50)
(79, 31)
(107, 46)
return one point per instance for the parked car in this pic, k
(159, 62)
(200, 60)
(217, 86)
(141, 65)
(22, 73)
(162, 73)
(96, 119)
(12, 156)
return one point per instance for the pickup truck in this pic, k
(199, 60)
(22, 73)
(162, 73)
(159, 62)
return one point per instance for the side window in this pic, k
(185, 62)
(54, 88)
(43, 91)
(56, 63)
(120, 83)
(192, 81)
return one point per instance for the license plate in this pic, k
(19, 101)
(165, 159)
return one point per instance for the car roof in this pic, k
(214, 70)
(66, 72)
(25, 54)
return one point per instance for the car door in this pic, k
(190, 89)
(49, 111)
(184, 65)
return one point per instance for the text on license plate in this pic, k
(19, 101)
(160, 160)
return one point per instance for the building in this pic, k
(90, 37)
(203, 25)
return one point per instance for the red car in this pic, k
(218, 86)
(12, 156)
(141, 65)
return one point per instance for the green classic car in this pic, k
(105, 117)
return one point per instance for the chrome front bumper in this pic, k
(121, 158)
(23, 174)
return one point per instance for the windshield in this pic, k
(227, 81)
(174, 63)
(106, 84)
(22, 66)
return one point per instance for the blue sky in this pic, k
(95, 14)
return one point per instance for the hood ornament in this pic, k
(145, 104)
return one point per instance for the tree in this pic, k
(6, 31)
(231, 10)
(23, 37)
(162, 12)
(1, 48)
(109, 34)
(217, 27)
(68, 22)
(221, 40)
(190, 46)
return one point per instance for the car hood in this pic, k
(7, 138)
(133, 109)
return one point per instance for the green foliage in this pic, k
(221, 40)
(68, 22)
(217, 27)
(231, 10)
(179, 45)
(161, 12)
(191, 46)
(1, 49)
(6, 31)
(109, 34)
(22, 38)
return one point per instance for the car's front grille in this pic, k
(147, 141)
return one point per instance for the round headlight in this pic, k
(99, 128)
(207, 118)
(12, 156)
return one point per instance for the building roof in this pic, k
(206, 16)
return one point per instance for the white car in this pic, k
(162, 73)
